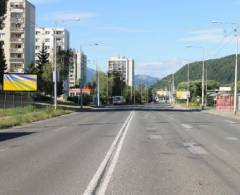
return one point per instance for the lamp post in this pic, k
(203, 71)
(236, 28)
(188, 92)
(98, 80)
(55, 57)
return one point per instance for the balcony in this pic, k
(19, 9)
(17, 40)
(14, 29)
(17, 20)
(16, 50)
(17, 60)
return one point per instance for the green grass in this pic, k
(21, 115)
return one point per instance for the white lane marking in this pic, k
(231, 138)
(231, 122)
(59, 129)
(155, 137)
(3, 149)
(187, 126)
(110, 161)
(195, 149)
(221, 149)
(151, 128)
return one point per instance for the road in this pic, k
(151, 149)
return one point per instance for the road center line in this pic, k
(194, 148)
(100, 180)
(187, 126)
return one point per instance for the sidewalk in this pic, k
(228, 114)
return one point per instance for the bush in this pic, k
(77, 100)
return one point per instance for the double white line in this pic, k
(99, 182)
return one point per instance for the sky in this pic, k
(154, 33)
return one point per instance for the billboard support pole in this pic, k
(13, 101)
(5, 97)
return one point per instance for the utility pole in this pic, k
(55, 66)
(203, 90)
(236, 28)
(236, 76)
(203, 72)
(98, 87)
(206, 99)
(188, 92)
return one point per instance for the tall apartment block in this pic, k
(78, 71)
(46, 36)
(123, 65)
(18, 35)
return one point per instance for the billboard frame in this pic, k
(9, 73)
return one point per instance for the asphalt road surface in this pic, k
(151, 149)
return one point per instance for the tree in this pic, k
(3, 65)
(43, 60)
(3, 9)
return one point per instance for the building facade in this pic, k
(78, 70)
(123, 65)
(46, 36)
(18, 35)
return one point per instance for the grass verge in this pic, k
(21, 115)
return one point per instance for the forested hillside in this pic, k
(221, 70)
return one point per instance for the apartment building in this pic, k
(18, 35)
(78, 70)
(46, 36)
(123, 65)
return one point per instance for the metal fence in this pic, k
(11, 100)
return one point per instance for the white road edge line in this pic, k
(96, 186)
(229, 121)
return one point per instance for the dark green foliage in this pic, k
(220, 70)
(3, 65)
(86, 99)
(117, 84)
(3, 9)
(64, 61)
(43, 58)
(32, 69)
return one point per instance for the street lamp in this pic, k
(98, 79)
(203, 70)
(55, 56)
(236, 27)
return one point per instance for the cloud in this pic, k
(66, 15)
(207, 35)
(122, 29)
(160, 69)
(37, 2)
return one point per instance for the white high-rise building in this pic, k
(18, 35)
(78, 70)
(123, 65)
(46, 36)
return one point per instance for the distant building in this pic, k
(73, 92)
(78, 70)
(18, 35)
(46, 36)
(123, 65)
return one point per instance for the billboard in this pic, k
(182, 95)
(20, 82)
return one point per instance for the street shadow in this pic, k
(4, 136)
(143, 109)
